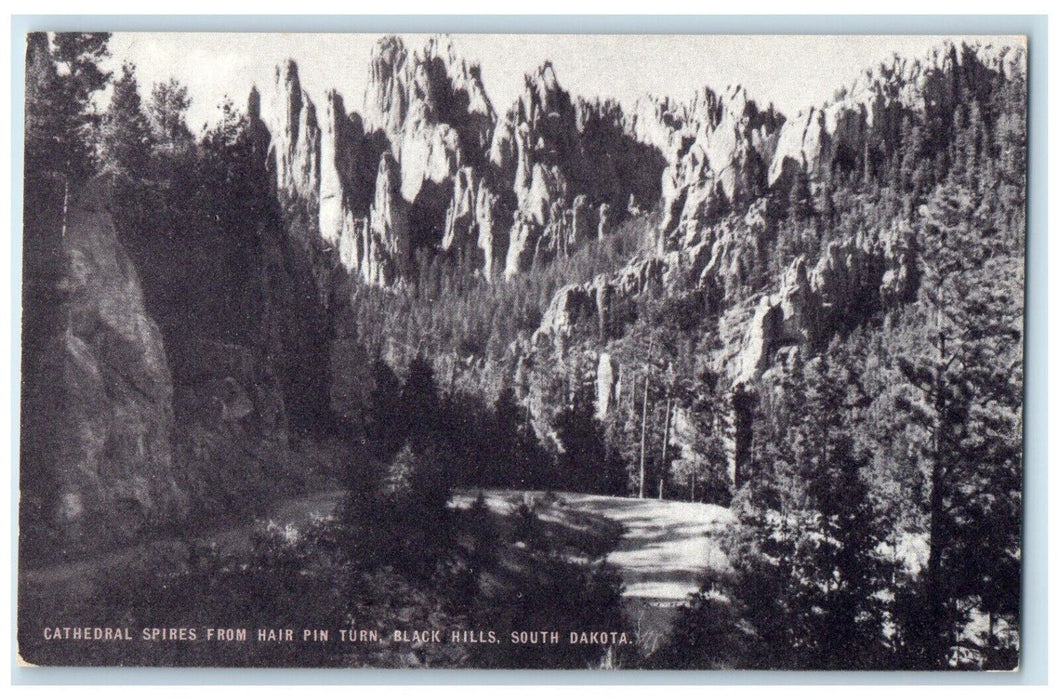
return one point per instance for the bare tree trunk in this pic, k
(989, 640)
(643, 418)
(665, 447)
(66, 202)
(940, 629)
(933, 576)
(643, 435)
(62, 242)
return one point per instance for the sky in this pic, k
(791, 72)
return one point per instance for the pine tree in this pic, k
(484, 533)
(62, 76)
(230, 194)
(387, 424)
(125, 137)
(843, 563)
(421, 404)
(800, 206)
(708, 633)
(703, 470)
(44, 127)
(507, 461)
(805, 551)
(968, 389)
(65, 94)
(125, 151)
(168, 114)
(584, 463)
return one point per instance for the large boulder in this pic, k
(596, 306)
(763, 335)
(571, 305)
(811, 305)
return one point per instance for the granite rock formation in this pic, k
(107, 396)
(494, 195)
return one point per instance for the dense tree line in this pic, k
(488, 445)
(452, 309)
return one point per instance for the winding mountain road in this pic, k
(661, 548)
(662, 551)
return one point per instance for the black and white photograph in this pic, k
(522, 351)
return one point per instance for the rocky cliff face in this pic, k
(812, 304)
(724, 148)
(598, 308)
(105, 470)
(163, 372)
(429, 169)
(574, 168)
(536, 137)
(385, 256)
(295, 139)
(347, 172)
(494, 195)
(662, 122)
(431, 108)
(433, 86)
(731, 167)
(402, 176)
(864, 121)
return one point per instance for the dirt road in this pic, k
(662, 547)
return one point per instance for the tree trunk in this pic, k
(990, 642)
(66, 203)
(939, 626)
(665, 447)
(643, 435)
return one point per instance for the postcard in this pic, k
(499, 351)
